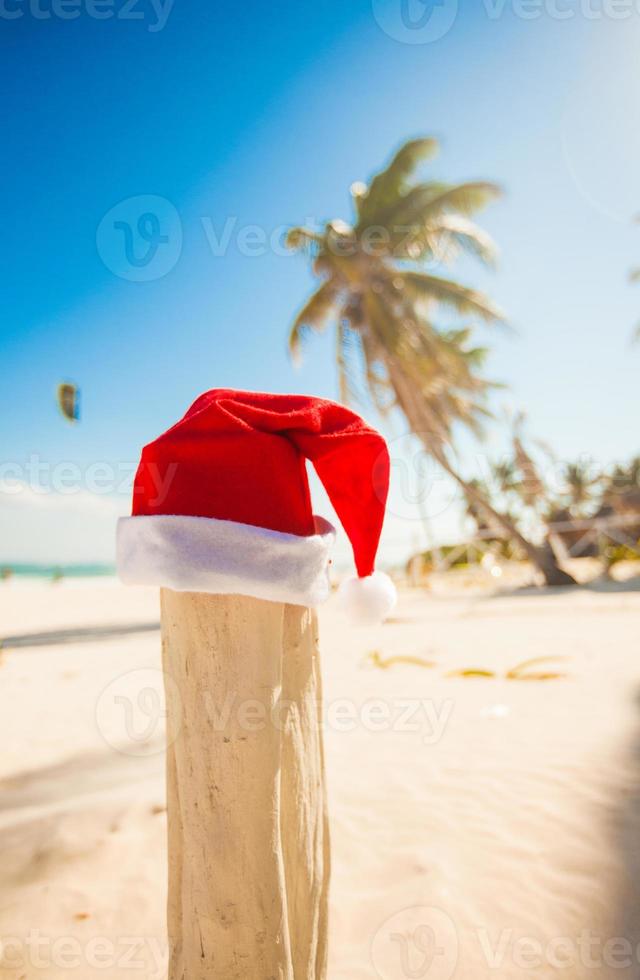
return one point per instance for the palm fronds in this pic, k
(423, 287)
(390, 184)
(300, 239)
(313, 317)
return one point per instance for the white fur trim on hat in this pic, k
(203, 554)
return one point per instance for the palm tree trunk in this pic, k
(541, 558)
(408, 401)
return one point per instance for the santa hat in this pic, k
(221, 502)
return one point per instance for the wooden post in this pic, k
(248, 838)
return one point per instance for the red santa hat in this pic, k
(221, 502)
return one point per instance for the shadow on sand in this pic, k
(76, 635)
(43, 811)
(80, 776)
(601, 585)
(625, 827)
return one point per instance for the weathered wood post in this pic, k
(249, 846)
(222, 522)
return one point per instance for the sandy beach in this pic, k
(482, 826)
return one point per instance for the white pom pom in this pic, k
(368, 600)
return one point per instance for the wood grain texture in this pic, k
(248, 836)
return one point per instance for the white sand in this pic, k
(481, 827)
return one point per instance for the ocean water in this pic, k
(19, 569)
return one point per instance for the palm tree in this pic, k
(506, 475)
(625, 477)
(622, 487)
(382, 302)
(580, 482)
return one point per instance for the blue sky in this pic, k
(254, 116)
